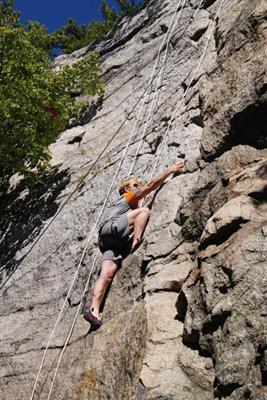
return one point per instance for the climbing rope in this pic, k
(70, 332)
(94, 227)
(126, 150)
(173, 116)
(188, 87)
(69, 197)
(81, 260)
(153, 102)
(87, 245)
(96, 259)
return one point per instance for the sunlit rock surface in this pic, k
(185, 318)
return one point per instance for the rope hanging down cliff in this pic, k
(91, 270)
(153, 102)
(92, 232)
(189, 85)
(70, 332)
(159, 81)
(143, 98)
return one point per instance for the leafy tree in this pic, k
(8, 15)
(73, 36)
(35, 101)
(109, 15)
(68, 38)
(126, 6)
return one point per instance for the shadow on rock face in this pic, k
(23, 213)
(249, 126)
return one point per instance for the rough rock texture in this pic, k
(223, 307)
(234, 92)
(185, 318)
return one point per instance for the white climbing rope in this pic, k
(159, 80)
(91, 236)
(94, 163)
(188, 87)
(80, 263)
(72, 327)
(96, 259)
(192, 19)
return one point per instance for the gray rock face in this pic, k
(234, 112)
(185, 318)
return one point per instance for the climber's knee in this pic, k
(108, 271)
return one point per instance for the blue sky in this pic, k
(55, 13)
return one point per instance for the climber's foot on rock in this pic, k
(94, 320)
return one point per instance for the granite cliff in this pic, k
(185, 318)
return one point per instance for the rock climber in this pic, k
(122, 233)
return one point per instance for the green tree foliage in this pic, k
(35, 101)
(126, 6)
(74, 36)
(68, 38)
(109, 15)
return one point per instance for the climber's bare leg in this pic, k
(137, 220)
(108, 271)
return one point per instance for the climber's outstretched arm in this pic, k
(158, 180)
